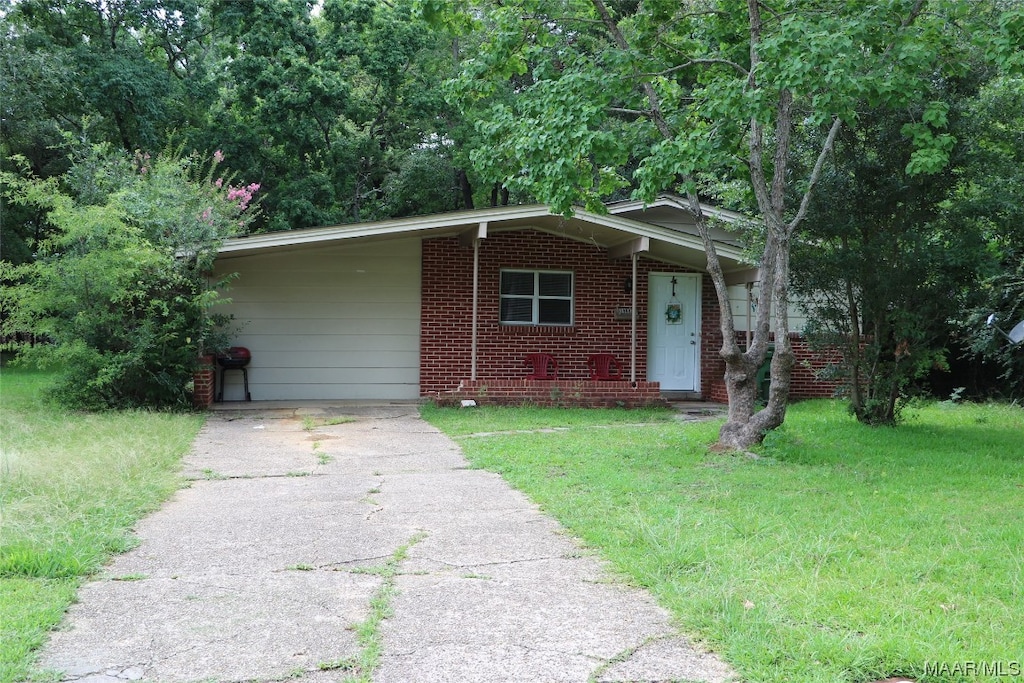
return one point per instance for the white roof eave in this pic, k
(456, 221)
(677, 203)
(413, 224)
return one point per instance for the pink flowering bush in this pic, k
(242, 195)
(121, 286)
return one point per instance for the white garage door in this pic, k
(338, 321)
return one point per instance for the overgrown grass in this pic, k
(71, 487)
(846, 553)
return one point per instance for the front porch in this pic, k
(578, 393)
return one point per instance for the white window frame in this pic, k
(536, 298)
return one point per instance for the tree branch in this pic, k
(772, 12)
(562, 20)
(756, 141)
(629, 112)
(692, 62)
(730, 347)
(652, 96)
(819, 164)
(783, 135)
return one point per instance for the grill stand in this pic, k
(245, 379)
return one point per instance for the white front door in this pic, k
(673, 341)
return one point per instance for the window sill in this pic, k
(538, 330)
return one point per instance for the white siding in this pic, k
(738, 300)
(339, 321)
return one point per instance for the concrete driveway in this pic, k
(294, 539)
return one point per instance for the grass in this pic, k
(844, 553)
(490, 419)
(361, 666)
(71, 487)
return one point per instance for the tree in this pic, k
(128, 73)
(129, 64)
(882, 267)
(327, 107)
(120, 287)
(989, 196)
(583, 90)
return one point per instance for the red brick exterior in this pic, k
(557, 393)
(712, 367)
(203, 381)
(446, 329)
(804, 382)
(447, 308)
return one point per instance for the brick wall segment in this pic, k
(203, 383)
(446, 314)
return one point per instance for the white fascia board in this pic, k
(677, 203)
(466, 219)
(659, 233)
(378, 228)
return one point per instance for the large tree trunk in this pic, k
(465, 189)
(747, 426)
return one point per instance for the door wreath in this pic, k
(674, 310)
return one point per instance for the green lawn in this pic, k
(845, 553)
(71, 487)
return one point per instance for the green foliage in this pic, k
(564, 109)
(575, 100)
(931, 151)
(72, 485)
(988, 197)
(418, 185)
(127, 64)
(120, 287)
(920, 261)
(326, 107)
(844, 553)
(322, 103)
(882, 269)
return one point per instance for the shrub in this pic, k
(121, 285)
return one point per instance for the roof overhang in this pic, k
(674, 241)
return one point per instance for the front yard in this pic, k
(71, 486)
(844, 553)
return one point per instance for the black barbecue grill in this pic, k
(235, 358)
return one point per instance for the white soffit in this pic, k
(603, 230)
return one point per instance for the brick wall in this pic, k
(203, 381)
(712, 367)
(447, 309)
(804, 382)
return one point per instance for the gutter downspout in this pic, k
(476, 289)
(632, 332)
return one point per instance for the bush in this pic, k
(121, 286)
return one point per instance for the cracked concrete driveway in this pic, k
(294, 532)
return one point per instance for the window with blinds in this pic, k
(536, 297)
